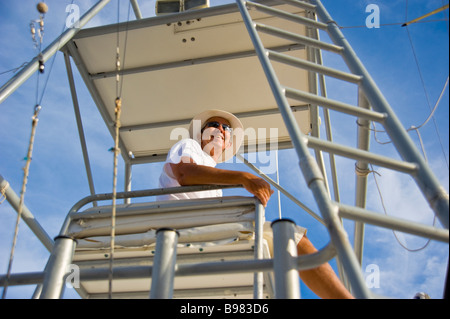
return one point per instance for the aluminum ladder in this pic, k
(373, 107)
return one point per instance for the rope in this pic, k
(26, 170)
(421, 143)
(416, 128)
(42, 8)
(385, 212)
(3, 193)
(363, 172)
(117, 113)
(434, 108)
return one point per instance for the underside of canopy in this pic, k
(176, 66)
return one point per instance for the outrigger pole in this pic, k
(425, 16)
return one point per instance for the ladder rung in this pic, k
(287, 15)
(300, 4)
(297, 38)
(357, 154)
(334, 105)
(283, 58)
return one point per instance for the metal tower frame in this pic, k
(372, 107)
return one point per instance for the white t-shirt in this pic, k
(185, 148)
(191, 148)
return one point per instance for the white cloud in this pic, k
(403, 273)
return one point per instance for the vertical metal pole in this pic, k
(37, 292)
(127, 185)
(259, 222)
(76, 109)
(164, 264)
(287, 284)
(57, 267)
(361, 176)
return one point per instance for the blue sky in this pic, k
(410, 65)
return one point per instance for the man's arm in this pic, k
(188, 173)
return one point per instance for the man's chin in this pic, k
(217, 145)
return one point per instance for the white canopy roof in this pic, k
(178, 65)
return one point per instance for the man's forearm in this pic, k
(193, 174)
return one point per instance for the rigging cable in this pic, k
(431, 116)
(14, 70)
(424, 87)
(390, 24)
(427, 96)
(432, 110)
(413, 127)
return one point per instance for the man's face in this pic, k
(216, 136)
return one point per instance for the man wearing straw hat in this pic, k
(216, 136)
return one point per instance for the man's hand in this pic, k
(258, 187)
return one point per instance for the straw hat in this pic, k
(237, 136)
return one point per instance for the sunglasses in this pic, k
(215, 124)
